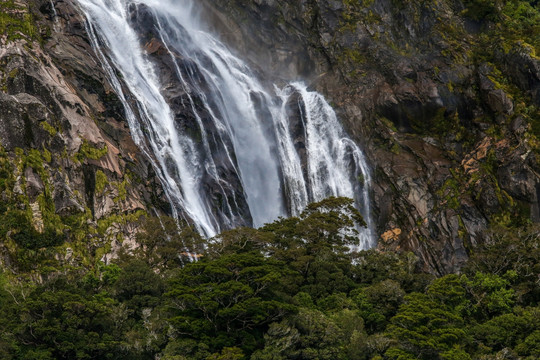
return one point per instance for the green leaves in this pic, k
(483, 9)
(511, 329)
(313, 334)
(491, 294)
(230, 295)
(138, 286)
(65, 324)
(290, 290)
(247, 279)
(425, 326)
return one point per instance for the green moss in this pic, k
(34, 160)
(87, 151)
(354, 56)
(13, 73)
(102, 251)
(16, 216)
(122, 189)
(451, 191)
(101, 182)
(48, 128)
(16, 22)
(7, 178)
(64, 154)
(355, 13)
(47, 156)
(106, 223)
(51, 220)
(509, 24)
(388, 123)
(78, 225)
(29, 250)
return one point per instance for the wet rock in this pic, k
(495, 97)
(226, 199)
(418, 105)
(55, 97)
(410, 106)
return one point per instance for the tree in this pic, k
(317, 245)
(509, 331)
(490, 295)
(168, 244)
(228, 301)
(425, 328)
(378, 303)
(506, 252)
(313, 334)
(138, 287)
(58, 321)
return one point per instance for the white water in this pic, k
(55, 16)
(236, 157)
(335, 167)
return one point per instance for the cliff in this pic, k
(444, 97)
(72, 177)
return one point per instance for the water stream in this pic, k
(228, 150)
(55, 16)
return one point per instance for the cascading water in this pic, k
(228, 151)
(55, 16)
(333, 164)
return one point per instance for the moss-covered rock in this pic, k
(68, 195)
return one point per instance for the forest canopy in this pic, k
(292, 289)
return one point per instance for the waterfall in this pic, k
(55, 16)
(228, 150)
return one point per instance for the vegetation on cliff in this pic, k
(16, 22)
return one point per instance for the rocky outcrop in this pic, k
(63, 127)
(444, 118)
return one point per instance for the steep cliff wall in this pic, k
(448, 116)
(71, 174)
(444, 96)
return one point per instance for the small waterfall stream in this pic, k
(228, 151)
(55, 16)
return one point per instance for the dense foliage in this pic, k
(290, 290)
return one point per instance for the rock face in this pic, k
(448, 120)
(63, 128)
